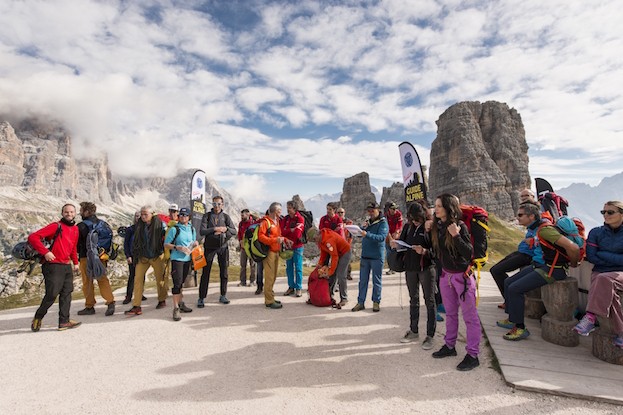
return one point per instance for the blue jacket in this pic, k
(373, 244)
(531, 248)
(185, 237)
(127, 241)
(604, 248)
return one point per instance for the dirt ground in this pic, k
(243, 358)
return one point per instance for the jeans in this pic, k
(428, 280)
(376, 267)
(339, 277)
(59, 282)
(518, 285)
(294, 269)
(511, 262)
(223, 261)
(453, 286)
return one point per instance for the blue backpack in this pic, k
(103, 232)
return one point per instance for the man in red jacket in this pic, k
(57, 266)
(292, 228)
(245, 221)
(394, 221)
(331, 220)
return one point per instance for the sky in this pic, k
(275, 98)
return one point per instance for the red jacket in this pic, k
(335, 224)
(395, 223)
(243, 226)
(332, 245)
(292, 228)
(65, 247)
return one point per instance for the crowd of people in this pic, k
(438, 258)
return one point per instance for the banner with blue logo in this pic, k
(197, 199)
(412, 175)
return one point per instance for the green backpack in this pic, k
(255, 249)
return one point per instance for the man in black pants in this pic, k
(528, 215)
(218, 228)
(58, 272)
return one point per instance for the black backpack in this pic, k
(309, 222)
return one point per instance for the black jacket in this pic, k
(463, 258)
(211, 220)
(415, 235)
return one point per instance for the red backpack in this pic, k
(476, 219)
(318, 289)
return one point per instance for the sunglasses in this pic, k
(184, 214)
(609, 212)
(217, 204)
(340, 213)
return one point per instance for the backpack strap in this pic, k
(177, 232)
(59, 231)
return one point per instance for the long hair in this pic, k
(453, 215)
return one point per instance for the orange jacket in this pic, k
(270, 238)
(332, 244)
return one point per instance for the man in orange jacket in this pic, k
(270, 234)
(332, 245)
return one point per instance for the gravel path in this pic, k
(242, 358)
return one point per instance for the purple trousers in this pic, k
(452, 285)
(604, 298)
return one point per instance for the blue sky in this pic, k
(273, 98)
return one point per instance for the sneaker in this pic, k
(585, 327)
(242, 284)
(618, 341)
(516, 334)
(35, 325)
(275, 305)
(71, 324)
(348, 277)
(298, 293)
(376, 307)
(223, 300)
(445, 351)
(161, 304)
(441, 309)
(126, 300)
(134, 311)
(176, 314)
(389, 272)
(343, 303)
(252, 283)
(468, 363)
(184, 308)
(427, 344)
(409, 337)
(200, 303)
(358, 307)
(87, 311)
(505, 324)
(289, 291)
(439, 317)
(110, 310)
(258, 291)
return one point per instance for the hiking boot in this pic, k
(516, 334)
(439, 317)
(298, 293)
(161, 304)
(358, 307)
(445, 351)
(127, 300)
(376, 307)
(585, 327)
(258, 291)
(274, 306)
(278, 302)
(502, 306)
(342, 303)
(409, 337)
(71, 324)
(252, 283)
(505, 324)
(242, 284)
(427, 344)
(289, 291)
(176, 314)
(143, 298)
(184, 308)
(134, 311)
(618, 341)
(110, 310)
(200, 303)
(35, 325)
(87, 311)
(348, 277)
(468, 363)
(223, 300)
(389, 272)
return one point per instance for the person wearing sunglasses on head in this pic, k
(218, 228)
(604, 249)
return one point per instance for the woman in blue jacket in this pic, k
(604, 249)
(372, 257)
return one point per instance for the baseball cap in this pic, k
(174, 207)
(185, 211)
(373, 205)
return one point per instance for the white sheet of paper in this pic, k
(353, 229)
(402, 244)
